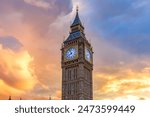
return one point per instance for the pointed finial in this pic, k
(77, 8)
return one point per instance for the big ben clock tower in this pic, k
(77, 64)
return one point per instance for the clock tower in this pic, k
(77, 64)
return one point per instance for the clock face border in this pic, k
(90, 52)
(76, 54)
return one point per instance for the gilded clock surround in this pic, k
(90, 54)
(66, 49)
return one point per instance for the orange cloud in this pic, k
(122, 83)
(16, 76)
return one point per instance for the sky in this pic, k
(32, 31)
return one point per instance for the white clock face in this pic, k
(87, 55)
(71, 53)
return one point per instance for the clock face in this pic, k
(87, 55)
(71, 53)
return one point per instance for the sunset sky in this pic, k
(32, 31)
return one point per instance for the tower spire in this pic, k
(77, 19)
(77, 8)
(77, 29)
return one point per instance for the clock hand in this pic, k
(70, 53)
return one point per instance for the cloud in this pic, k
(121, 77)
(122, 23)
(34, 28)
(38, 3)
(10, 42)
(16, 74)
